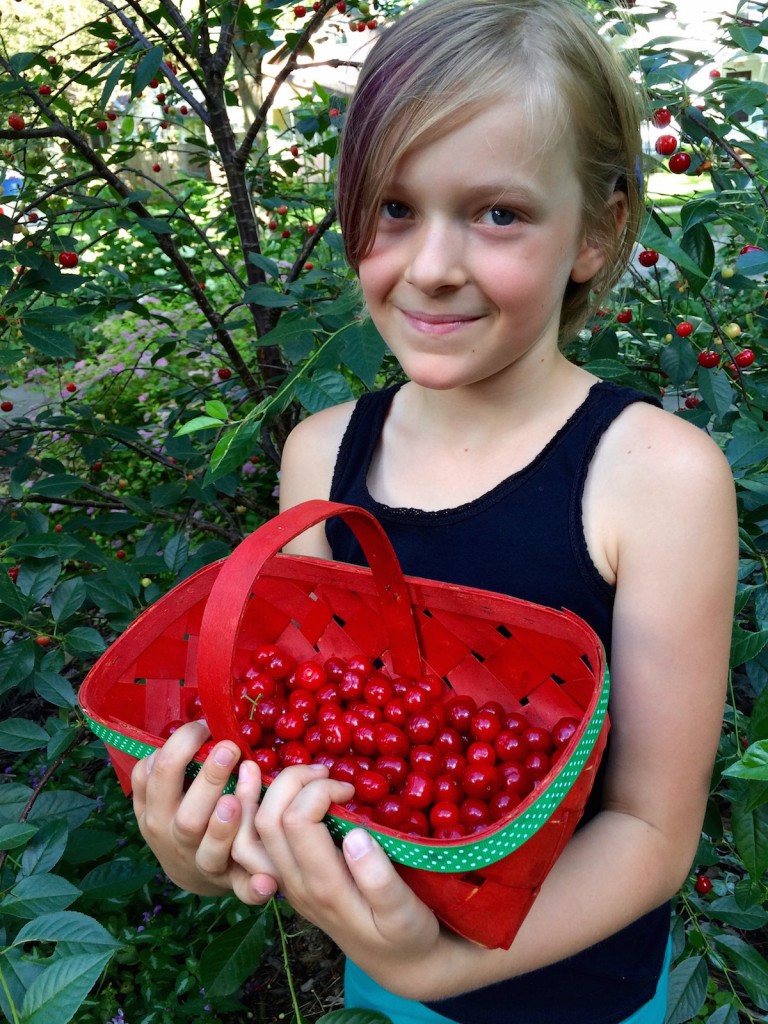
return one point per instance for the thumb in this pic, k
(395, 908)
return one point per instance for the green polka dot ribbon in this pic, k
(451, 857)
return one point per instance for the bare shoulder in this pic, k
(651, 454)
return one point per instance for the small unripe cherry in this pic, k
(732, 331)
(727, 273)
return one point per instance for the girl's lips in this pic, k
(437, 323)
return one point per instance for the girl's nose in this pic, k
(437, 258)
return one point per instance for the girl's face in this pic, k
(478, 235)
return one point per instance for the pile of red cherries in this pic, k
(424, 761)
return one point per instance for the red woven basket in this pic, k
(548, 663)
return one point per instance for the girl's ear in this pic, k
(594, 251)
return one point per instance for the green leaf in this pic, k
(654, 238)
(73, 807)
(13, 836)
(84, 640)
(609, 369)
(39, 894)
(264, 263)
(176, 552)
(687, 990)
(746, 37)
(146, 70)
(59, 485)
(725, 1015)
(55, 689)
(727, 910)
(752, 264)
(46, 849)
(227, 961)
(268, 298)
(50, 343)
(198, 423)
(67, 598)
(116, 878)
(752, 968)
(747, 449)
(217, 410)
(363, 351)
(155, 225)
(750, 834)
(36, 579)
(324, 389)
(716, 390)
(233, 449)
(71, 927)
(745, 646)
(697, 211)
(753, 764)
(111, 83)
(17, 663)
(56, 995)
(19, 734)
(696, 241)
(12, 597)
(678, 360)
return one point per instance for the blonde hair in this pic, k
(446, 59)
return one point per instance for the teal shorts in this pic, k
(363, 993)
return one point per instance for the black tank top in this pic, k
(524, 538)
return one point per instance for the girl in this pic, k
(488, 195)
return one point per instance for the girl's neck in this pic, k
(498, 407)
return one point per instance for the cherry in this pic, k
(6, 406)
(744, 358)
(679, 163)
(665, 145)
(371, 786)
(625, 316)
(294, 150)
(300, 10)
(661, 117)
(742, 252)
(224, 373)
(102, 126)
(17, 122)
(71, 387)
(112, 44)
(563, 730)
(68, 259)
(684, 329)
(648, 258)
(708, 359)
(156, 168)
(333, 112)
(286, 233)
(42, 640)
(341, 6)
(44, 90)
(13, 572)
(703, 884)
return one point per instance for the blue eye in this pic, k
(500, 217)
(395, 211)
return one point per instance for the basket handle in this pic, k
(229, 594)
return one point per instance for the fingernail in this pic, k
(357, 844)
(225, 812)
(318, 767)
(150, 763)
(223, 756)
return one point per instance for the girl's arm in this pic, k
(669, 526)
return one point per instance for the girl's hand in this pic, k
(354, 894)
(192, 833)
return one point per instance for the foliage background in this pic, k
(145, 395)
